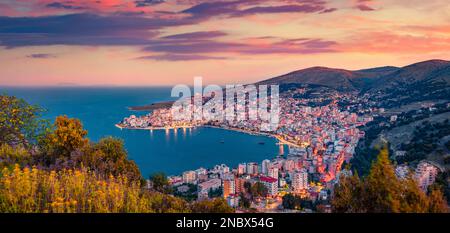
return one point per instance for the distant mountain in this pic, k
(334, 78)
(373, 79)
(388, 85)
(369, 76)
(379, 70)
(431, 71)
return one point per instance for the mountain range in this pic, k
(388, 85)
(374, 79)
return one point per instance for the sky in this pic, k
(168, 42)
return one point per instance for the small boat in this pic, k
(261, 143)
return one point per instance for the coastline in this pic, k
(241, 130)
(278, 137)
(154, 128)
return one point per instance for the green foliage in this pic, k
(382, 186)
(425, 140)
(347, 195)
(294, 202)
(215, 193)
(247, 186)
(442, 179)
(189, 195)
(436, 202)
(163, 203)
(291, 201)
(14, 155)
(34, 190)
(160, 182)
(217, 205)
(258, 189)
(363, 158)
(66, 146)
(20, 122)
(74, 175)
(382, 192)
(425, 137)
(108, 156)
(68, 136)
(244, 202)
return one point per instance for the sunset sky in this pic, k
(166, 42)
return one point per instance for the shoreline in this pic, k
(277, 137)
(155, 128)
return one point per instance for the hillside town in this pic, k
(321, 139)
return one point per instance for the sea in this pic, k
(171, 152)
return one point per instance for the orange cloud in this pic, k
(388, 42)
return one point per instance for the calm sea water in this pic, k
(172, 152)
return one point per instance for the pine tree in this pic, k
(382, 192)
(437, 202)
(413, 199)
(382, 188)
(344, 200)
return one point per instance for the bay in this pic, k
(172, 152)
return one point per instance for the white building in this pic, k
(289, 165)
(207, 186)
(300, 180)
(221, 169)
(228, 187)
(271, 184)
(201, 171)
(265, 166)
(189, 177)
(242, 169)
(252, 168)
(273, 172)
(425, 174)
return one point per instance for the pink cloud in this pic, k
(364, 7)
(388, 42)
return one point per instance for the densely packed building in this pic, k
(320, 137)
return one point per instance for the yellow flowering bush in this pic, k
(68, 191)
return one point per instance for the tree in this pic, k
(247, 186)
(33, 190)
(20, 122)
(382, 192)
(68, 173)
(442, 180)
(160, 182)
(110, 157)
(244, 202)
(216, 205)
(68, 135)
(10, 156)
(382, 187)
(163, 203)
(346, 194)
(437, 203)
(291, 201)
(213, 193)
(413, 199)
(258, 189)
